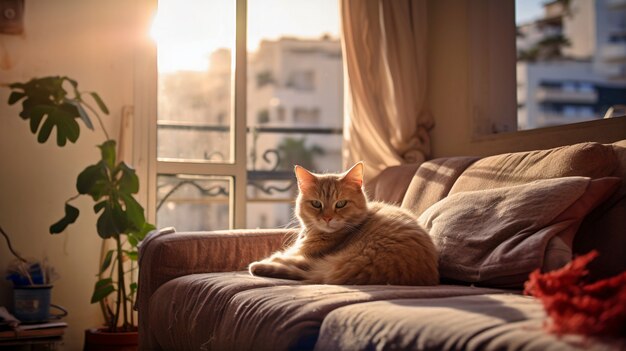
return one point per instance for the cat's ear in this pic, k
(355, 174)
(305, 178)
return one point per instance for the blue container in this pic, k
(32, 303)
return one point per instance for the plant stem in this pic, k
(132, 298)
(72, 198)
(6, 236)
(121, 284)
(98, 117)
(120, 276)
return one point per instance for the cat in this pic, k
(346, 239)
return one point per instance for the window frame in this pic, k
(145, 159)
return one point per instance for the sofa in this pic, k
(495, 219)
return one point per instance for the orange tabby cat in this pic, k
(347, 240)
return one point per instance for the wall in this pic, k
(92, 42)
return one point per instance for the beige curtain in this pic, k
(386, 120)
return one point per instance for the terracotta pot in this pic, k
(97, 339)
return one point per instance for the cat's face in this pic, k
(331, 202)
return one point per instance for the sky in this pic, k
(526, 10)
(187, 35)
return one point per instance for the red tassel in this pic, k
(576, 307)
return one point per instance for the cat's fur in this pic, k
(359, 243)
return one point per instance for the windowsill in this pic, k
(604, 131)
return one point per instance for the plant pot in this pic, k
(97, 339)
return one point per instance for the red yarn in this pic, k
(577, 307)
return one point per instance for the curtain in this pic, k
(386, 120)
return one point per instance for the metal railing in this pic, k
(257, 179)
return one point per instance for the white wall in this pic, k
(92, 42)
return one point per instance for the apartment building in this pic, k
(572, 63)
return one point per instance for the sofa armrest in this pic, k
(166, 254)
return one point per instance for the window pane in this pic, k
(194, 79)
(192, 203)
(294, 103)
(571, 61)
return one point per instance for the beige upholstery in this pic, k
(587, 159)
(483, 322)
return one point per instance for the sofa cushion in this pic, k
(484, 322)
(496, 237)
(236, 311)
(604, 229)
(390, 185)
(432, 182)
(586, 159)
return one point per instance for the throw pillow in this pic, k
(496, 237)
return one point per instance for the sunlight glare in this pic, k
(188, 32)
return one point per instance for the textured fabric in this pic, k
(433, 181)
(236, 311)
(485, 322)
(604, 229)
(586, 159)
(384, 46)
(496, 237)
(391, 184)
(186, 312)
(174, 255)
(560, 250)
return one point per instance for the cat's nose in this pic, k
(327, 219)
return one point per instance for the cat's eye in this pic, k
(341, 203)
(316, 204)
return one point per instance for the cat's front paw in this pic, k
(260, 268)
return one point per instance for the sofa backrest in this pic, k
(604, 229)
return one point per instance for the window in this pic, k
(225, 142)
(568, 53)
(301, 80)
(306, 116)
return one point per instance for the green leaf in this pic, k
(133, 288)
(100, 103)
(67, 128)
(36, 115)
(72, 81)
(107, 261)
(15, 97)
(128, 181)
(132, 254)
(107, 151)
(112, 221)
(83, 114)
(99, 206)
(138, 236)
(103, 288)
(71, 214)
(134, 211)
(44, 100)
(133, 240)
(93, 180)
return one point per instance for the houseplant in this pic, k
(55, 102)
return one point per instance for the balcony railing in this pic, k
(545, 94)
(265, 181)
